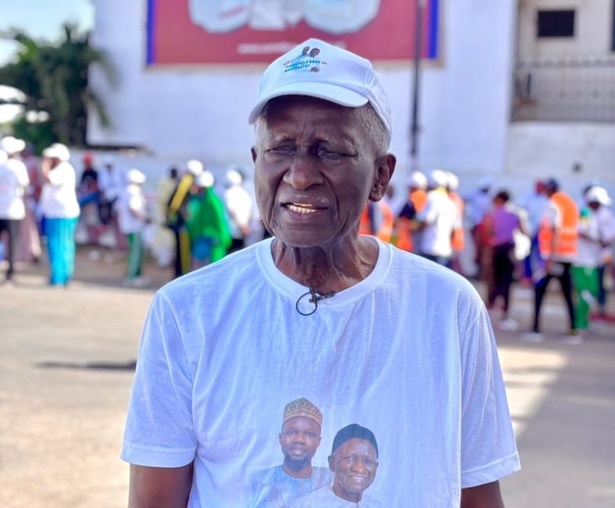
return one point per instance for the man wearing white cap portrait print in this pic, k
(320, 310)
(299, 438)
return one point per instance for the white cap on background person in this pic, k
(453, 181)
(335, 75)
(11, 145)
(194, 167)
(438, 178)
(135, 176)
(598, 194)
(418, 180)
(233, 177)
(57, 151)
(205, 179)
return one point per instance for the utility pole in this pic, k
(418, 44)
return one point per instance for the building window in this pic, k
(558, 23)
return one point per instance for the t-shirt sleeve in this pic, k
(159, 428)
(488, 448)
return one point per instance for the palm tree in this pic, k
(54, 78)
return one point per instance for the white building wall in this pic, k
(593, 25)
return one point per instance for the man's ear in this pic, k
(385, 167)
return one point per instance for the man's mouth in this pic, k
(302, 208)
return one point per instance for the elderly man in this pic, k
(371, 332)
(299, 439)
(354, 461)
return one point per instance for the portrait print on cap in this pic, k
(306, 61)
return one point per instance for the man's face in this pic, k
(315, 169)
(354, 464)
(299, 439)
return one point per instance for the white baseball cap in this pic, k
(194, 167)
(233, 177)
(135, 176)
(3, 157)
(418, 180)
(453, 181)
(334, 74)
(57, 151)
(438, 178)
(12, 145)
(205, 179)
(598, 195)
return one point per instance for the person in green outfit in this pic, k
(594, 236)
(206, 223)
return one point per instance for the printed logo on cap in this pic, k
(306, 61)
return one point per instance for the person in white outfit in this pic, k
(238, 203)
(13, 182)
(438, 220)
(61, 211)
(132, 215)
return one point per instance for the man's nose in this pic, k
(303, 171)
(299, 437)
(358, 466)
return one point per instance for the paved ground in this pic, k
(66, 365)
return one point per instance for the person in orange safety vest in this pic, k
(557, 243)
(377, 219)
(405, 224)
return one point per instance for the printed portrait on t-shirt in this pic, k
(354, 462)
(299, 438)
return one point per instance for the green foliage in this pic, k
(54, 77)
(40, 134)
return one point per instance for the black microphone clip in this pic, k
(315, 297)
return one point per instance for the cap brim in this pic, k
(326, 91)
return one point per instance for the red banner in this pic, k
(194, 32)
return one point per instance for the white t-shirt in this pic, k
(589, 248)
(111, 182)
(238, 204)
(13, 181)
(326, 498)
(131, 210)
(408, 353)
(441, 216)
(58, 197)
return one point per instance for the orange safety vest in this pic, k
(458, 240)
(385, 231)
(404, 226)
(564, 241)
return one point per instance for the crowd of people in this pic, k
(544, 235)
(44, 200)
